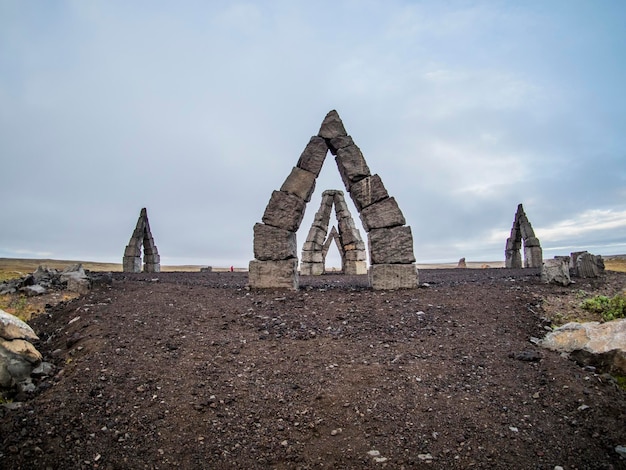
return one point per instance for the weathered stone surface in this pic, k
(312, 257)
(316, 236)
(32, 291)
(311, 269)
(352, 166)
(313, 156)
(533, 256)
(273, 274)
(383, 214)
(556, 271)
(391, 245)
(131, 264)
(513, 259)
(355, 255)
(338, 143)
(300, 183)
(272, 243)
(461, 264)
(352, 268)
(393, 276)
(152, 267)
(593, 342)
(332, 126)
(368, 191)
(573, 258)
(312, 246)
(152, 259)
(22, 348)
(284, 211)
(132, 251)
(12, 327)
(588, 265)
(531, 241)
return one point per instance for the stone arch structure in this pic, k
(348, 239)
(390, 240)
(132, 254)
(522, 233)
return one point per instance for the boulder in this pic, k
(12, 327)
(556, 271)
(461, 263)
(600, 344)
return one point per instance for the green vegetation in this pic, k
(608, 308)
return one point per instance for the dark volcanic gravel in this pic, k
(193, 370)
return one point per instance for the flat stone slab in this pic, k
(393, 276)
(383, 214)
(272, 243)
(284, 211)
(273, 274)
(313, 156)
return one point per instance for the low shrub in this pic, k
(609, 308)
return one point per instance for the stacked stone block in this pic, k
(394, 265)
(348, 239)
(132, 254)
(522, 233)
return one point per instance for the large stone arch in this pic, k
(522, 233)
(390, 240)
(132, 254)
(348, 239)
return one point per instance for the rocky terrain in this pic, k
(194, 370)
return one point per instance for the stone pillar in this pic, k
(132, 254)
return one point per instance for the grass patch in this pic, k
(615, 264)
(609, 308)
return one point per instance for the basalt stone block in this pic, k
(533, 257)
(152, 267)
(357, 246)
(513, 259)
(339, 142)
(352, 268)
(385, 213)
(311, 269)
(588, 265)
(393, 276)
(132, 251)
(352, 166)
(355, 255)
(312, 257)
(152, 259)
(273, 274)
(131, 264)
(272, 243)
(313, 156)
(312, 246)
(300, 182)
(316, 235)
(532, 241)
(391, 245)
(284, 211)
(332, 126)
(556, 271)
(368, 191)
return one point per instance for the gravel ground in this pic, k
(194, 370)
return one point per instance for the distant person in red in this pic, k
(232, 269)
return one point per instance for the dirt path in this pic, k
(196, 371)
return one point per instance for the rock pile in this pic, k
(561, 269)
(389, 238)
(522, 233)
(132, 254)
(348, 239)
(19, 359)
(43, 279)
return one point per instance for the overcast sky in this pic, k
(198, 110)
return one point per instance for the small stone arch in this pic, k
(522, 233)
(390, 240)
(132, 254)
(348, 239)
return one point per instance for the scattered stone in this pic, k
(373, 453)
(621, 450)
(526, 356)
(12, 327)
(425, 457)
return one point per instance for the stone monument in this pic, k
(348, 239)
(390, 240)
(522, 233)
(132, 254)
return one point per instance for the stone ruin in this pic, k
(522, 233)
(390, 240)
(348, 239)
(132, 253)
